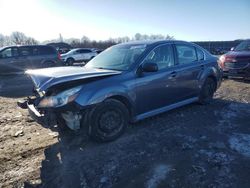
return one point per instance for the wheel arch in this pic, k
(124, 100)
(214, 79)
(47, 62)
(209, 73)
(70, 58)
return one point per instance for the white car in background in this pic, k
(78, 55)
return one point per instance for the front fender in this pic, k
(91, 97)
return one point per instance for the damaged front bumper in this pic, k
(70, 114)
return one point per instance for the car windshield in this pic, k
(243, 46)
(119, 57)
(70, 51)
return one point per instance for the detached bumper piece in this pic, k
(33, 110)
(70, 114)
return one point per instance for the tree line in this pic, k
(19, 38)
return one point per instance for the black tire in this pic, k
(70, 61)
(47, 64)
(108, 120)
(207, 91)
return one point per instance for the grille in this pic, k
(236, 65)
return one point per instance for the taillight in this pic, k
(59, 56)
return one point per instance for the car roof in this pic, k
(153, 42)
(148, 42)
(17, 46)
(82, 49)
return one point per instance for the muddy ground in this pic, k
(193, 146)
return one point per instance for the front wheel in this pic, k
(70, 62)
(108, 120)
(207, 91)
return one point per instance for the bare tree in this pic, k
(2, 39)
(138, 36)
(18, 38)
(168, 37)
(30, 41)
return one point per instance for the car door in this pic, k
(78, 55)
(24, 62)
(155, 90)
(35, 57)
(8, 60)
(86, 54)
(188, 70)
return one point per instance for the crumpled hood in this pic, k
(47, 77)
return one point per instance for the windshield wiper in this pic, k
(106, 68)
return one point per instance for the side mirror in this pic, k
(149, 67)
(232, 49)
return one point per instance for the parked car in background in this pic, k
(61, 47)
(236, 63)
(19, 58)
(127, 82)
(78, 55)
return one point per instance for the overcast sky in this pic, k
(190, 20)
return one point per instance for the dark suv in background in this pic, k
(19, 58)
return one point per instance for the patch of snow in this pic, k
(240, 143)
(159, 174)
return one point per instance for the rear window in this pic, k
(45, 50)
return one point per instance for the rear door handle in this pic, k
(173, 74)
(202, 67)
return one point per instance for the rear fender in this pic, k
(210, 72)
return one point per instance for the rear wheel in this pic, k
(108, 120)
(207, 91)
(48, 64)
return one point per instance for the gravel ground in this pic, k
(193, 146)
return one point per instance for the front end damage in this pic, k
(70, 114)
(56, 91)
(73, 120)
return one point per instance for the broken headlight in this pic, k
(60, 99)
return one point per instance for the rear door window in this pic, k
(86, 51)
(24, 51)
(186, 54)
(35, 51)
(46, 50)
